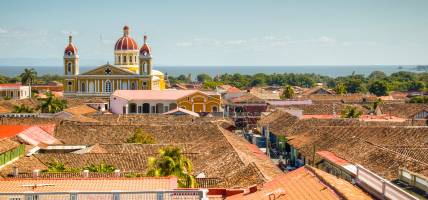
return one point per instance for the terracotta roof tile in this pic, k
(99, 184)
(7, 144)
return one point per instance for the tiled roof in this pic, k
(10, 86)
(7, 144)
(301, 184)
(332, 158)
(250, 153)
(382, 150)
(305, 183)
(35, 135)
(407, 110)
(278, 121)
(181, 110)
(89, 184)
(153, 94)
(4, 110)
(29, 134)
(324, 108)
(219, 161)
(247, 98)
(346, 98)
(80, 110)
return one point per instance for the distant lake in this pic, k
(332, 71)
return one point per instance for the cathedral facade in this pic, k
(132, 70)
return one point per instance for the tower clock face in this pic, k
(107, 71)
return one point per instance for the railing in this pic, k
(200, 194)
(414, 179)
(379, 187)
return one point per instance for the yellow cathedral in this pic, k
(132, 70)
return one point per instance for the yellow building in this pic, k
(132, 70)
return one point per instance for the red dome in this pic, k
(145, 49)
(126, 42)
(70, 49)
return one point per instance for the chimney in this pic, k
(85, 173)
(36, 173)
(15, 171)
(117, 173)
(253, 189)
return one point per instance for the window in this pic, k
(83, 88)
(119, 60)
(70, 83)
(69, 68)
(124, 59)
(108, 86)
(214, 109)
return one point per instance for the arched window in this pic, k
(69, 68)
(214, 109)
(107, 86)
(159, 108)
(119, 59)
(172, 106)
(124, 59)
(146, 108)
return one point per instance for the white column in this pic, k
(129, 84)
(87, 86)
(102, 86)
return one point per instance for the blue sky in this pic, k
(221, 32)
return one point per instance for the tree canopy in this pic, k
(171, 162)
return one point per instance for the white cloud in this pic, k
(2, 30)
(325, 39)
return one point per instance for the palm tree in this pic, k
(28, 77)
(22, 109)
(351, 112)
(51, 104)
(288, 92)
(171, 162)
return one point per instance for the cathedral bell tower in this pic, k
(71, 59)
(145, 65)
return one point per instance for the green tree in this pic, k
(101, 168)
(288, 92)
(377, 75)
(51, 104)
(28, 77)
(351, 112)
(354, 85)
(340, 88)
(203, 77)
(419, 99)
(58, 167)
(211, 84)
(171, 162)
(141, 137)
(379, 88)
(22, 109)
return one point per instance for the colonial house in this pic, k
(155, 101)
(14, 91)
